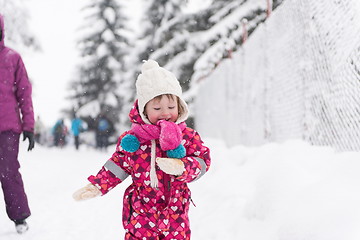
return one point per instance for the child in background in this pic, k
(76, 128)
(161, 154)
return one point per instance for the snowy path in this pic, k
(287, 191)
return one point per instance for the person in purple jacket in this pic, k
(15, 97)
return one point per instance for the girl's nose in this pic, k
(165, 113)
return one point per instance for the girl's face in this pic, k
(162, 108)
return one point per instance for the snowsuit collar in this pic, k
(134, 114)
(168, 133)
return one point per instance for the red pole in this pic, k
(269, 7)
(245, 31)
(229, 53)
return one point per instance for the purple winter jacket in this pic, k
(15, 91)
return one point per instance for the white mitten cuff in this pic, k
(87, 192)
(172, 166)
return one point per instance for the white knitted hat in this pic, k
(154, 81)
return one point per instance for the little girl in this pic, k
(160, 154)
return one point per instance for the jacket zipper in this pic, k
(131, 207)
(167, 188)
(192, 202)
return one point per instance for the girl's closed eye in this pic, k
(156, 109)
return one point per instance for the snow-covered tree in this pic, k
(199, 40)
(103, 47)
(18, 35)
(158, 14)
(229, 21)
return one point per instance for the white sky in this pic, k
(54, 24)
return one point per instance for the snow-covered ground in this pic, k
(288, 191)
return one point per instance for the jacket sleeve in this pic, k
(197, 160)
(23, 96)
(113, 172)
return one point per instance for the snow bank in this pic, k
(288, 191)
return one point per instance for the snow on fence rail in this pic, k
(297, 76)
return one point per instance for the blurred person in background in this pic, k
(76, 128)
(104, 128)
(39, 130)
(59, 132)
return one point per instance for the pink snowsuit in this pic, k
(154, 213)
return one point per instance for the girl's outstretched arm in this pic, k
(114, 171)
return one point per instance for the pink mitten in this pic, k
(171, 166)
(87, 192)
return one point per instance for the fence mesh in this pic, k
(297, 76)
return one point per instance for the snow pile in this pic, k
(289, 191)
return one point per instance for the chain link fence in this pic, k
(296, 77)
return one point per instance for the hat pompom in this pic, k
(130, 143)
(149, 64)
(178, 152)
